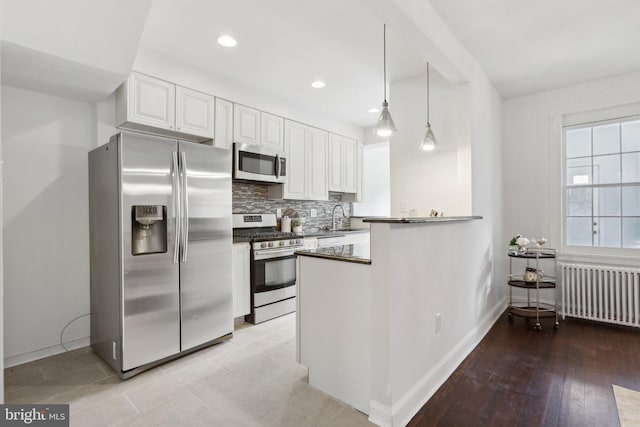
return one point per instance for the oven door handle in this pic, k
(272, 253)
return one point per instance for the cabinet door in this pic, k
(316, 161)
(194, 112)
(295, 149)
(151, 101)
(272, 131)
(349, 165)
(335, 162)
(241, 279)
(246, 125)
(224, 124)
(360, 172)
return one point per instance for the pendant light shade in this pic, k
(385, 126)
(429, 141)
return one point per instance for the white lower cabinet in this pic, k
(310, 242)
(241, 279)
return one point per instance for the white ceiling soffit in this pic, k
(81, 49)
(284, 45)
(529, 46)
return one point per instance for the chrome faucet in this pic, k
(333, 215)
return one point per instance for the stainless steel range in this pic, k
(273, 265)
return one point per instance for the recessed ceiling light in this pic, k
(318, 84)
(227, 41)
(374, 110)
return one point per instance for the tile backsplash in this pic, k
(253, 198)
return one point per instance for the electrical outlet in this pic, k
(114, 350)
(438, 322)
(404, 207)
(314, 213)
(278, 213)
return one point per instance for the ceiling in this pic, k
(85, 48)
(284, 45)
(70, 48)
(529, 46)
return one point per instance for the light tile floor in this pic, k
(250, 380)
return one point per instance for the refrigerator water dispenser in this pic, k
(148, 229)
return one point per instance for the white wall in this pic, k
(479, 261)
(440, 179)
(377, 181)
(45, 224)
(532, 160)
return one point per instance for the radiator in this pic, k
(601, 293)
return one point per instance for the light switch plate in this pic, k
(278, 212)
(314, 213)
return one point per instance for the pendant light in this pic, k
(428, 142)
(385, 126)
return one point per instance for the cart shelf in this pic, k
(533, 308)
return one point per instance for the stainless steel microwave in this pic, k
(256, 163)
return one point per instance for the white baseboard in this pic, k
(380, 414)
(415, 398)
(19, 359)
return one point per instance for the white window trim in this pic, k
(589, 254)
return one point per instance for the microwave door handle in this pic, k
(176, 205)
(277, 166)
(185, 207)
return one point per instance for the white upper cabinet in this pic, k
(255, 127)
(335, 162)
(349, 165)
(317, 156)
(194, 112)
(271, 131)
(223, 137)
(150, 101)
(360, 172)
(306, 150)
(342, 164)
(246, 125)
(295, 186)
(157, 106)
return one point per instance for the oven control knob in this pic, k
(263, 245)
(297, 241)
(270, 244)
(281, 243)
(292, 242)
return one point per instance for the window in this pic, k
(602, 184)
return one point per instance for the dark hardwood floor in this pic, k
(519, 377)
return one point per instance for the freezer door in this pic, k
(150, 282)
(205, 267)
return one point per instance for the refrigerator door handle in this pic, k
(185, 207)
(176, 204)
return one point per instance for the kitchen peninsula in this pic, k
(382, 330)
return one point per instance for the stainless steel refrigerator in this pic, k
(160, 239)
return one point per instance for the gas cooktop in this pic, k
(258, 236)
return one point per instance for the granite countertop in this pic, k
(358, 253)
(420, 220)
(321, 233)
